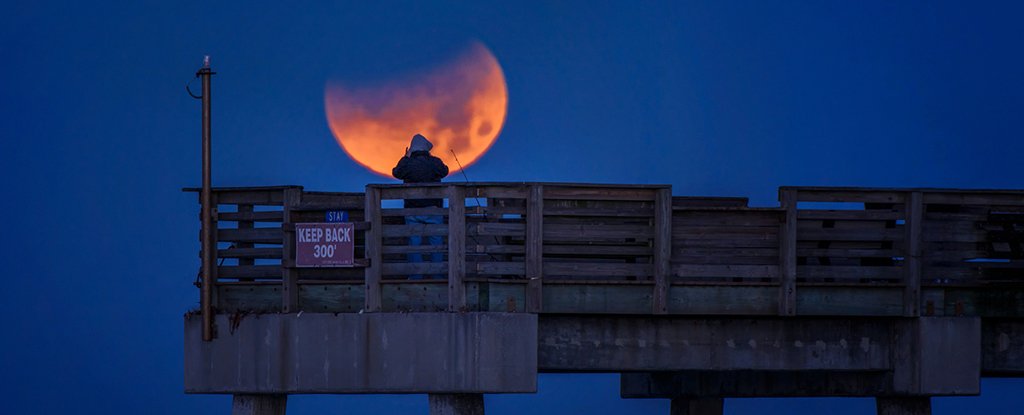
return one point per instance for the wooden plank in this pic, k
(850, 272)
(392, 231)
(733, 271)
(848, 252)
(534, 249)
(679, 242)
(258, 298)
(255, 235)
(826, 234)
(643, 212)
(845, 195)
(414, 268)
(251, 197)
(958, 198)
(249, 215)
(456, 248)
(262, 253)
(250, 272)
(583, 193)
(662, 250)
(506, 192)
(727, 259)
(415, 296)
(912, 263)
(597, 299)
(787, 253)
(723, 300)
(417, 191)
(850, 301)
(585, 232)
(496, 229)
(433, 211)
(598, 250)
(596, 270)
(703, 201)
(331, 298)
(850, 215)
(408, 249)
(289, 276)
(374, 242)
(497, 268)
(726, 218)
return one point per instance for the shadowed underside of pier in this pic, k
(900, 294)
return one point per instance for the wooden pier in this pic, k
(900, 294)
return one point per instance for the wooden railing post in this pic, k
(662, 250)
(912, 255)
(787, 253)
(374, 244)
(456, 248)
(535, 249)
(289, 274)
(208, 243)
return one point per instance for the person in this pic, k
(419, 166)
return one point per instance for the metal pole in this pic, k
(207, 209)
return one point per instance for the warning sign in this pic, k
(324, 244)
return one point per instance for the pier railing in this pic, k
(582, 248)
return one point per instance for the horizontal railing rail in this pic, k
(564, 247)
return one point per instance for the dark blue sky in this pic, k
(715, 98)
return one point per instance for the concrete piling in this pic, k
(697, 406)
(916, 405)
(456, 403)
(259, 404)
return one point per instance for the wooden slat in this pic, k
(726, 218)
(498, 268)
(251, 197)
(847, 272)
(374, 242)
(848, 253)
(409, 249)
(957, 198)
(516, 192)
(787, 254)
(871, 196)
(585, 232)
(256, 235)
(534, 249)
(680, 242)
(892, 234)
(414, 268)
(392, 231)
(853, 215)
(412, 192)
(289, 276)
(456, 249)
(250, 271)
(732, 271)
(557, 192)
(262, 253)
(597, 269)
(598, 250)
(912, 264)
(433, 211)
(602, 212)
(662, 250)
(268, 216)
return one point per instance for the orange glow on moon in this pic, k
(458, 106)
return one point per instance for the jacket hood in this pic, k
(420, 143)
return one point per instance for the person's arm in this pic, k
(440, 168)
(402, 169)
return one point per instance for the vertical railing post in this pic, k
(374, 244)
(787, 253)
(456, 248)
(662, 250)
(289, 274)
(534, 249)
(912, 255)
(209, 238)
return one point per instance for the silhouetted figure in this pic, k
(419, 166)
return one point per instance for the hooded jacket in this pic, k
(420, 167)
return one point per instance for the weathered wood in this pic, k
(414, 268)
(456, 248)
(912, 263)
(787, 253)
(641, 212)
(289, 276)
(393, 231)
(585, 232)
(559, 192)
(535, 249)
(262, 253)
(846, 195)
(250, 271)
(848, 215)
(596, 269)
(249, 215)
(894, 273)
(249, 297)
(374, 242)
(263, 404)
(255, 235)
(849, 301)
(435, 211)
(417, 191)
(703, 271)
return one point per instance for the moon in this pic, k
(460, 106)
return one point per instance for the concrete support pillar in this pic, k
(697, 406)
(456, 403)
(259, 404)
(917, 405)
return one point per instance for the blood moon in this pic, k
(460, 106)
